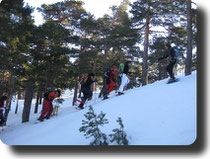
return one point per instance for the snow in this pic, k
(156, 114)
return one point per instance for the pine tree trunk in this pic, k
(40, 97)
(94, 66)
(80, 91)
(75, 91)
(145, 58)
(94, 71)
(10, 95)
(17, 102)
(1, 82)
(160, 72)
(104, 89)
(37, 102)
(16, 108)
(1, 91)
(28, 100)
(188, 62)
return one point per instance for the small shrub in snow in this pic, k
(119, 137)
(91, 127)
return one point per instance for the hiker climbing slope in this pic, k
(110, 76)
(2, 107)
(124, 70)
(86, 88)
(47, 110)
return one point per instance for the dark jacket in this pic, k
(88, 83)
(171, 55)
(126, 69)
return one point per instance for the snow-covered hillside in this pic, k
(156, 114)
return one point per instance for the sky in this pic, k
(97, 7)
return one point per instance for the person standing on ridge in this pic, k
(171, 55)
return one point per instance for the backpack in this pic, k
(177, 50)
(121, 67)
(46, 94)
(84, 79)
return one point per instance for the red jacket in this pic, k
(112, 74)
(52, 96)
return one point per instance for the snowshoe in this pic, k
(171, 80)
(40, 119)
(105, 98)
(47, 118)
(120, 93)
(79, 108)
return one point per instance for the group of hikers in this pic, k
(110, 84)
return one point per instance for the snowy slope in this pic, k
(156, 114)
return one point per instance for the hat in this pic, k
(114, 67)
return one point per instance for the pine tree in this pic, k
(91, 127)
(15, 32)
